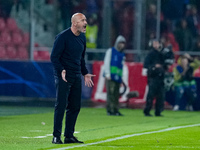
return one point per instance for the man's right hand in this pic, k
(158, 65)
(63, 74)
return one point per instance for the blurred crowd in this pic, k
(180, 24)
(180, 20)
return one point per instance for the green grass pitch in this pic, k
(30, 128)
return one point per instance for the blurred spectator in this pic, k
(92, 32)
(66, 11)
(127, 26)
(149, 38)
(194, 22)
(184, 82)
(183, 36)
(116, 19)
(151, 20)
(92, 36)
(5, 8)
(166, 26)
(168, 40)
(165, 41)
(100, 22)
(122, 21)
(69, 7)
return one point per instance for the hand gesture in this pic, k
(63, 74)
(158, 65)
(88, 80)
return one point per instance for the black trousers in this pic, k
(68, 98)
(157, 91)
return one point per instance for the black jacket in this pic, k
(154, 57)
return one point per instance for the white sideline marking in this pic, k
(126, 136)
(38, 137)
(35, 130)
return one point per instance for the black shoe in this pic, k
(57, 140)
(147, 114)
(118, 114)
(72, 140)
(109, 113)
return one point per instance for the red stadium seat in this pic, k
(22, 53)
(41, 55)
(36, 55)
(3, 54)
(5, 38)
(11, 52)
(44, 55)
(25, 39)
(17, 38)
(11, 24)
(2, 24)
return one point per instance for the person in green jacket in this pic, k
(184, 82)
(92, 36)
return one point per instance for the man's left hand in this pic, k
(88, 80)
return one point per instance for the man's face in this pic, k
(184, 62)
(156, 45)
(121, 46)
(81, 23)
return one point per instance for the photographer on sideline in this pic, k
(154, 64)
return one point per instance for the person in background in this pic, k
(184, 82)
(92, 32)
(65, 7)
(193, 21)
(68, 61)
(5, 8)
(92, 35)
(150, 23)
(154, 66)
(183, 36)
(113, 70)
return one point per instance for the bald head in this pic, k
(79, 23)
(76, 17)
